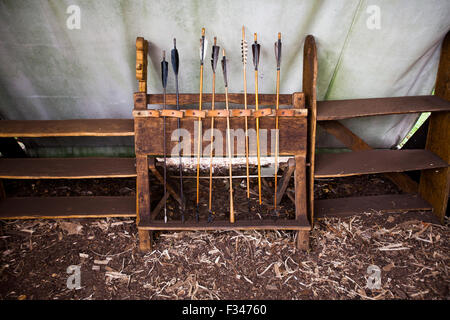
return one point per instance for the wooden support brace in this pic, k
(284, 182)
(355, 143)
(172, 191)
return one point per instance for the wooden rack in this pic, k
(430, 194)
(293, 141)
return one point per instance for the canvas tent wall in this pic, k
(49, 70)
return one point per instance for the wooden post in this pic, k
(435, 184)
(300, 182)
(143, 201)
(309, 90)
(142, 181)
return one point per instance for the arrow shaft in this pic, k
(212, 143)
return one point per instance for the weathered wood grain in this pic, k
(67, 168)
(375, 161)
(344, 109)
(392, 203)
(66, 128)
(67, 207)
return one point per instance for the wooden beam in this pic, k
(310, 91)
(143, 201)
(173, 225)
(375, 161)
(67, 128)
(344, 109)
(292, 139)
(355, 143)
(301, 203)
(238, 98)
(391, 203)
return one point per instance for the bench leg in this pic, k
(300, 201)
(143, 201)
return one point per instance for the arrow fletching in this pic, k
(256, 49)
(244, 47)
(224, 69)
(215, 55)
(278, 51)
(174, 58)
(203, 47)
(164, 70)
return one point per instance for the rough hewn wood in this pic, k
(143, 201)
(355, 143)
(309, 90)
(292, 139)
(238, 98)
(171, 190)
(67, 168)
(301, 199)
(66, 128)
(284, 182)
(67, 207)
(392, 203)
(2, 191)
(226, 225)
(344, 109)
(375, 161)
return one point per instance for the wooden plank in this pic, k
(172, 225)
(394, 203)
(310, 91)
(355, 143)
(375, 161)
(238, 98)
(344, 109)
(66, 128)
(67, 168)
(292, 139)
(67, 207)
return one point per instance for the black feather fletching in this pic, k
(278, 53)
(164, 72)
(256, 49)
(175, 58)
(224, 69)
(215, 57)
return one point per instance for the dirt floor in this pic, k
(411, 250)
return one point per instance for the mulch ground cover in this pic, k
(410, 250)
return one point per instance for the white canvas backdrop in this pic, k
(48, 71)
